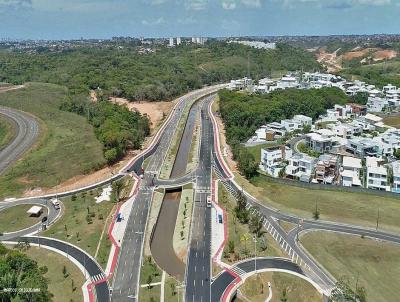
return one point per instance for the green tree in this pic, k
(255, 225)
(117, 187)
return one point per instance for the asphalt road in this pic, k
(91, 266)
(51, 216)
(223, 280)
(127, 274)
(198, 271)
(27, 129)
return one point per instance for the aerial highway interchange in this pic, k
(124, 283)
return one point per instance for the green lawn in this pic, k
(256, 150)
(67, 144)
(240, 234)
(376, 264)
(353, 208)
(255, 288)
(173, 292)
(7, 132)
(15, 218)
(59, 285)
(75, 226)
(149, 273)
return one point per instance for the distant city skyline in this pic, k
(73, 19)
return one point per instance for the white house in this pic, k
(376, 175)
(350, 173)
(301, 166)
(396, 177)
(377, 104)
(291, 125)
(303, 120)
(272, 159)
(287, 82)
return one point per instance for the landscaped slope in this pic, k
(67, 145)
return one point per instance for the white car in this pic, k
(208, 201)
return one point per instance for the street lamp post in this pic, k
(255, 253)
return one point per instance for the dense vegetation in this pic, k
(118, 128)
(243, 114)
(377, 74)
(19, 272)
(123, 72)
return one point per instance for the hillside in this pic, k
(122, 71)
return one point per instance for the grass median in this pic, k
(7, 132)
(83, 223)
(240, 242)
(65, 287)
(371, 264)
(67, 145)
(16, 218)
(285, 287)
(345, 207)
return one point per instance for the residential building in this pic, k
(326, 168)
(319, 142)
(291, 125)
(396, 177)
(287, 82)
(351, 171)
(301, 167)
(362, 147)
(377, 104)
(272, 159)
(376, 175)
(303, 120)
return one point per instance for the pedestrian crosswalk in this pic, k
(238, 270)
(98, 277)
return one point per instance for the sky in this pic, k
(71, 19)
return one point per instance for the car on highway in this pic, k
(208, 201)
(55, 203)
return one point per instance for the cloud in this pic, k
(153, 22)
(228, 4)
(13, 5)
(196, 4)
(155, 2)
(251, 3)
(335, 4)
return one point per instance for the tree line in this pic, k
(115, 126)
(162, 75)
(21, 279)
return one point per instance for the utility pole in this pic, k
(255, 253)
(377, 221)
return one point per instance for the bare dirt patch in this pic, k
(10, 87)
(156, 111)
(357, 54)
(386, 54)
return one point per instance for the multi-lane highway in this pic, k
(126, 280)
(198, 272)
(27, 131)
